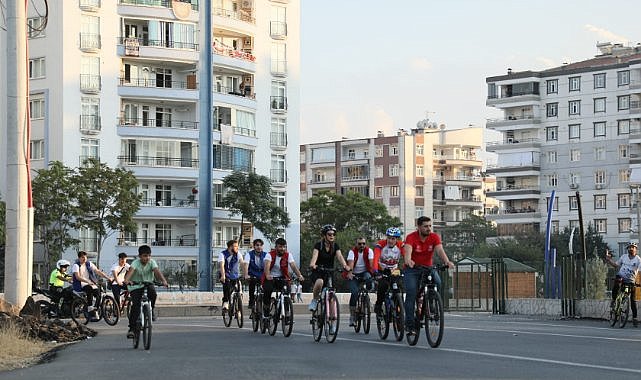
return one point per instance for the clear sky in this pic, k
(371, 65)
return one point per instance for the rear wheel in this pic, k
(288, 318)
(273, 318)
(110, 311)
(398, 316)
(334, 317)
(365, 317)
(318, 320)
(79, 312)
(146, 330)
(625, 311)
(238, 313)
(434, 320)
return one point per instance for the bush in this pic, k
(596, 274)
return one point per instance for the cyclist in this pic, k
(143, 269)
(388, 253)
(628, 266)
(419, 249)
(57, 281)
(229, 264)
(254, 267)
(118, 271)
(277, 264)
(85, 279)
(360, 260)
(323, 255)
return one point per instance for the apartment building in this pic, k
(569, 129)
(425, 171)
(119, 81)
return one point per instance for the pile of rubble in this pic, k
(40, 327)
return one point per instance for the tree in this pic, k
(461, 240)
(107, 201)
(250, 196)
(593, 241)
(54, 210)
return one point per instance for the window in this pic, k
(245, 123)
(37, 68)
(419, 170)
(419, 149)
(278, 131)
(553, 86)
(393, 170)
(37, 149)
(623, 78)
(552, 180)
(233, 158)
(599, 202)
(555, 227)
(575, 131)
(573, 224)
(36, 108)
(574, 84)
(623, 127)
(89, 114)
(378, 171)
(419, 191)
(552, 133)
(552, 109)
(624, 176)
(574, 178)
(555, 206)
(89, 148)
(393, 191)
(601, 225)
(323, 154)
(599, 80)
(575, 155)
(393, 150)
(552, 156)
(625, 225)
(574, 107)
(599, 105)
(378, 192)
(599, 177)
(623, 102)
(280, 199)
(599, 153)
(419, 212)
(573, 203)
(278, 95)
(35, 27)
(278, 174)
(599, 129)
(279, 58)
(623, 151)
(378, 152)
(624, 200)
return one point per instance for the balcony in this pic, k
(513, 143)
(515, 192)
(157, 123)
(469, 202)
(234, 96)
(155, 161)
(90, 5)
(517, 169)
(514, 123)
(230, 57)
(90, 42)
(518, 94)
(279, 68)
(158, 49)
(635, 108)
(90, 84)
(162, 89)
(278, 104)
(90, 124)
(353, 178)
(154, 3)
(187, 240)
(239, 15)
(278, 140)
(278, 30)
(465, 181)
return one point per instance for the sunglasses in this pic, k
(330, 234)
(361, 243)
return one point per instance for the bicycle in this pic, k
(429, 308)
(235, 309)
(362, 313)
(107, 308)
(256, 314)
(620, 311)
(113, 313)
(393, 310)
(326, 315)
(143, 324)
(281, 308)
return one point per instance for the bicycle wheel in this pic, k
(146, 330)
(366, 314)
(318, 320)
(238, 313)
(398, 317)
(358, 315)
(273, 318)
(334, 318)
(614, 315)
(624, 311)
(412, 339)
(434, 319)
(228, 313)
(288, 318)
(136, 339)
(257, 313)
(110, 310)
(382, 321)
(79, 312)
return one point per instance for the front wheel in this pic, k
(79, 313)
(257, 313)
(228, 314)
(434, 320)
(366, 316)
(624, 311)
(333, 318)
(398, 316)
(318, 320)
(382, 321)
(238, 312)
(146, 330)
(288, 318)
(110, 311)
(273, 318)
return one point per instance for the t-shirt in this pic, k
(423, 251)
(359, 265)
(234, 272)
(275, 272)
(325, 258)
(142, 273)
(390, 256)
(119, 271)
(82, 270)
(629, 267)
(54, 280)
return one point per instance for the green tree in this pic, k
(595, 246)
(527, 248)
(461, 240)
(250, 196)
(54, 210)
(107, 201)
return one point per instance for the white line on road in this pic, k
(546, 333)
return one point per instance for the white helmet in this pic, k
(62, 263)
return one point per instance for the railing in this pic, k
(89, 4)
(279, 66)
(234, 91)
(511, 118)
(171, 242)
(244, 131)
(355, 177)
(277, 29)
(158, 43)
(239, 54)
(278, 103)
(90, 41)
(138, 82)
(90, 83)
(322, 180)
(514, 165)
(517, 188)
(278, 175)
(635, 104)
(90, 123)
(278, 139)
(510, 210)
(154, 161)
(157, 3)
(463, 178)
(469, 157)
(190, 201)
(157, 123)
(238, 15)
(513, 141)
(355, 156)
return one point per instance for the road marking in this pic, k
(545, 333)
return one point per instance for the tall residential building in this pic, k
(570, 129)
(426, 171)
(119, 81)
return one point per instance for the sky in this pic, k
(370, 65)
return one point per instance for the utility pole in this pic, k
(19, 249)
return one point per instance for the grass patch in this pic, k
(17, 350)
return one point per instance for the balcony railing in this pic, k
(278, 29)
(511, 118)
(354, 156)
(238, 130)
(234, 91)
(355, 177)
(463, 178)
(278, 103)
(278, 139)
(90, 83)
(89, 4)
(512, 140)
(90, 123)
(156, 3)
(187, 241)
(238, 15)
(517, 188)
(158, 43)
(510, 210)
(89, 41)
(222, 49)
(154, 161)
(157, 123)
(139, 82)
(173, 202)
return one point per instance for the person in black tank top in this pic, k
(323, 256)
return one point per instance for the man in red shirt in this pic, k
(419, 249)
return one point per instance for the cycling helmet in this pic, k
(632, 244)
(326, 228)
(393, 232)
(62, 263)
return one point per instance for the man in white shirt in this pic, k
(277, 263)
(118, 271)
(628, 266)
(85, 278)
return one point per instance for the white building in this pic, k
(118, 80)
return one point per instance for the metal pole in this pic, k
(638, 215)
(18, 253)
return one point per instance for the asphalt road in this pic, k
(475, 345)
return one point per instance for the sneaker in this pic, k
(635, 322)
(378, 308)
(313, 304)
(154, 315)
(351, 320)
(225, 305)
(90, 309)
(130, 334)
(332, 329)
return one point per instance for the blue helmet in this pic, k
(393, 232)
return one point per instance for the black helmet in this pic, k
(326, 228)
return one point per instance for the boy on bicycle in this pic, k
(254, 265)
(229, 264)
(85, 278)
(628, 266)
(323, 255)
(143, 269)
(277, 264)
(387, 255)
(360, 260)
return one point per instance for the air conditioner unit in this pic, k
(510, 140)
(574, 186)
(599, 186)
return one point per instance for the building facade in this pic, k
(119, 81)
(574, 130)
